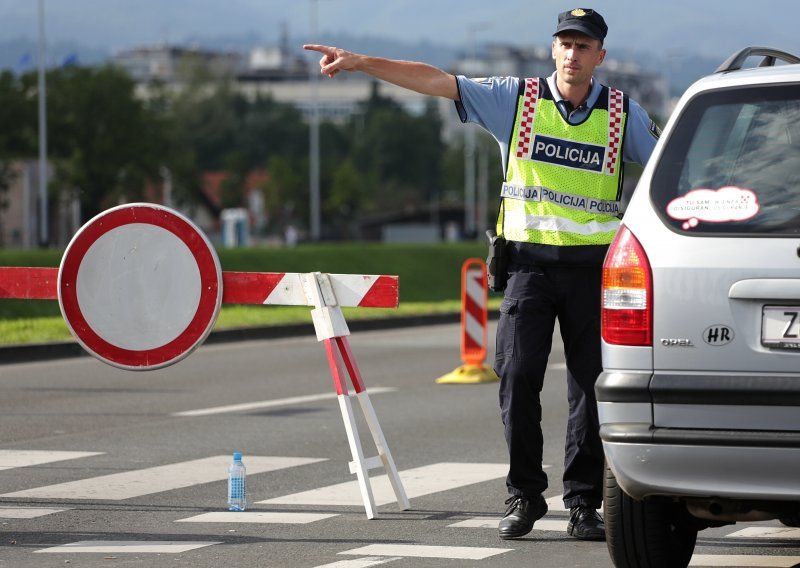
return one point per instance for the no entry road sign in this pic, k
(140, 286)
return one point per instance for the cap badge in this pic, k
(577, 12)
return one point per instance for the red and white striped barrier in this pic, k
(474, 312)
(474, 327)
(140, 287)
(286, 289)
(268, 288)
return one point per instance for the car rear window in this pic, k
(732, 164)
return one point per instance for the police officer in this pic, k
(563, 141)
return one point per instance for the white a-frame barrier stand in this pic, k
(332, 330)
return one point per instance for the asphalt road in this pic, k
(104, 467)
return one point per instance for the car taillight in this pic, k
(627, 293)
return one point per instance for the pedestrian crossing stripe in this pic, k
(417, 482)
(556, 504)
(27, 512)
(10, 459)
(129, 484)
(743, 561)
(259, 517)
(366, 562)
(492, 523)
(768, 532)
(127, 546)
(425, 551)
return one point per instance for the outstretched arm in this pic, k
(419, 77)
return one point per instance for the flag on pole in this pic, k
(70, 59)
(23, 63)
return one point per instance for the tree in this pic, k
(347, 196)
(18, 104)
(103, 140)
(232, 188)
(17, 138)
(212, 127)
(401, 153)
(285, 194)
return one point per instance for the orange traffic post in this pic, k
(474, 327)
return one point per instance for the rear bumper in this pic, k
(682, 388)
(735, 437)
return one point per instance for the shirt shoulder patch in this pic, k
(654, 130)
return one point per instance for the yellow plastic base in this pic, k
(469, 375)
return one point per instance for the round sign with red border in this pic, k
(140, 286)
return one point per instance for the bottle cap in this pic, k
(237, 456)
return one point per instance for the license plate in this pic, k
(780, 327)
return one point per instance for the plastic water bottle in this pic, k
(237, 486)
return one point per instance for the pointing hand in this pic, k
(333, 59)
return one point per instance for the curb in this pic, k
(28, 353)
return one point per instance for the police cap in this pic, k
(583, 20)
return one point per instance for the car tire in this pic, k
(653, 533)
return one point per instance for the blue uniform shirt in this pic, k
(492, 104)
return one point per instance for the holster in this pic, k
(497, 262)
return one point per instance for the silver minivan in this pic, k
(699, 401)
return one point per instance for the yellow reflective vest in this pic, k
(564, 181)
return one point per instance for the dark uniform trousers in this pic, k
(535, 296)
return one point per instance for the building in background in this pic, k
(171, 65)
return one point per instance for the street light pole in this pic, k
(470, 229)
(482, 189)
(314, 224)
(469, 182)
(43, 220)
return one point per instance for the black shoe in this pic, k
(585, 523)
(520, 516)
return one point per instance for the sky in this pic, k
(674, 28)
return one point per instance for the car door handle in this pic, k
(766, 289)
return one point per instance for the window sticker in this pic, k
(721, 205)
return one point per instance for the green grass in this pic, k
(430, 283)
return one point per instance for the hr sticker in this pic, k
(721, 205)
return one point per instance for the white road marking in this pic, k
(264, 517)
(556, 505)
(27, 512)
(767, 532)
(492, 522)
(272, 403)
(421, 551)
(479, 523)
(157, 479)
(743, 561)
(417, 482)
(10, 459)
(128, 546)
(365, 562)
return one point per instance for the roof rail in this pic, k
(770, 55)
